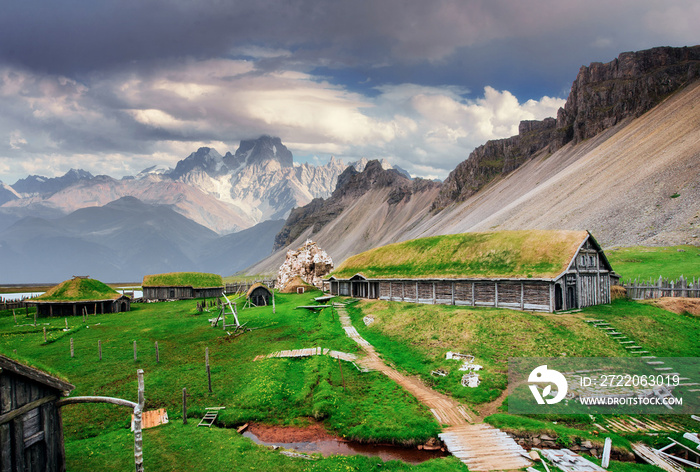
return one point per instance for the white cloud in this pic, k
(127, 122)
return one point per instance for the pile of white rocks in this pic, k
(309, 262)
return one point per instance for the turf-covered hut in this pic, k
(259, 295)
(80, 294)
(31, 433)
(182, 286)
(527, 270)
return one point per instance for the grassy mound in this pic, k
(183, 279)
(79, 289)
(539, 254)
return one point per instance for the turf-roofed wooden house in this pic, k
(534, 270)
(78, 295)
(31, 433)
(182, 286)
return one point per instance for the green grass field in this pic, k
(644, 263)
(371, 408)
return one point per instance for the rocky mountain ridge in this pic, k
(226, 193)
(602, 96)
(351, 186)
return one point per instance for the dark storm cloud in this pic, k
(418, 82)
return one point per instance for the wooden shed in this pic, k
(525, 270)
(31, 432)
(78, 295)
(259, 295)
(182, 286)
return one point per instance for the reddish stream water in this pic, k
(349, 448)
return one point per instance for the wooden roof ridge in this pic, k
(34, 373)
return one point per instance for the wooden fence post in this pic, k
(44, 333)
(206, 358)
(14, 316)
(66, 320)
(71, 347)
(184, 406)
(35, 318)
(138, 433)
(157, 353)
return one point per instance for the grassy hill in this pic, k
(644, 263)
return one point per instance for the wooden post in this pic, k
(14, 316)
(35, 318)
(157, 353)
(135, 351)
(99, 348)
(206, 359)
(66, 320)
(138, 433)
(341, 375)
(44, 333)
(184, 406)
(71, 348)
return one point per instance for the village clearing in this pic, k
(370, 406)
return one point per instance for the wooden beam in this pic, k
(9, 416)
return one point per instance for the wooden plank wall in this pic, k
(33, 440)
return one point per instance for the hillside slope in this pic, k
(636, 183)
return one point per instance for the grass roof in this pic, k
(499, 254)
(183, 279)
(79, 289)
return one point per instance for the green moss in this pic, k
(540, 254)
(78, 289)
(183, 279)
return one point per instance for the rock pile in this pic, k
(309, 262)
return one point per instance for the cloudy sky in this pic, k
(115, 86)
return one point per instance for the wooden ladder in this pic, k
(210, 416)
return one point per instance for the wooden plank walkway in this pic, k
(480, 446)
(314, 351)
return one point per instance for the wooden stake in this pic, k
(134, 351)
(206, 358)
(138, 433)
(66, 320)
(99, 348)
(184, 406)
(44, 333)
(35, 318)
(14, 316)
(71, 348)
(157, 354)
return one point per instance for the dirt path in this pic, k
(479, 446)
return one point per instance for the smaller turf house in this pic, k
(259, 295)
(182, 286)
(536, 270)
(78, 295)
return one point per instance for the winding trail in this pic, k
(480, 446)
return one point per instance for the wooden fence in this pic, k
(683, 287)
(244, 285)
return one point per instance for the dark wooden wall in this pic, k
(33, 441)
